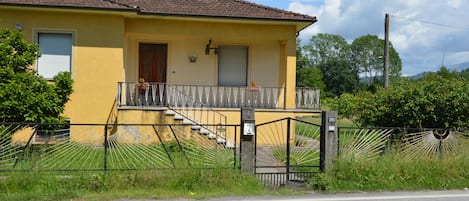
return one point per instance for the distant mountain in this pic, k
(459, 67)
(418, 76)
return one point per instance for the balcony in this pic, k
(163, 95)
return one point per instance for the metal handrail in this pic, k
(175, 98)
(197, 113)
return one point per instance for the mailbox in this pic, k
(331, 124)
(249, 127)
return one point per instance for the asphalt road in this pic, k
(457, 195)
(453, 195)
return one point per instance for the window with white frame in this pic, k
(56, 53)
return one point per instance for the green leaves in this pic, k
(15, 52)
(339, 77)
(24, 95)
(331, 55)
(368, 54)
(307, 75)
(433, 102)
(325, 47)
(342, 63)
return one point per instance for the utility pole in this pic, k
(443, 60)
(386, 51)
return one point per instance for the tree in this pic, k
(339, 78)
(465, 74)
(326, 47)
(302, 60)
(367, 53)
(24, 95)
(307, 75)
(331, 55)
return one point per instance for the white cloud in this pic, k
(416, 27)
(454, 3)
(456, 57)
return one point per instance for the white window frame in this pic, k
(72, 33)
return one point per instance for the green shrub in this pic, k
(393, 172)
(433, 102)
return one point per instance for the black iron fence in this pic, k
(369, 143)
(104, 147)
(287, 151)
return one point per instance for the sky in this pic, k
(426, 33)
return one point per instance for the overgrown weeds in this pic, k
(396, 172)
(192, 183)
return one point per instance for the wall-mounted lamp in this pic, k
(208, 48)
(19, 27)
(192, 58)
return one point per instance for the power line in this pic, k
(432, 23)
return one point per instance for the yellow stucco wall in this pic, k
(188, 38)
(274, 133)
(105, 51)
(97, 56)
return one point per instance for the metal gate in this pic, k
(287, 151)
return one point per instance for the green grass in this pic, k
(394, 172)
(189, 183)
(68, 156)
(209, 174)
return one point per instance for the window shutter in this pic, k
(232, 66)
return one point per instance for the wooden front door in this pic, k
(152, 62)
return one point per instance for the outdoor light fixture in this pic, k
(208, 48)
(19, 27)
(193, 58)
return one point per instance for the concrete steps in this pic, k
(198, 129)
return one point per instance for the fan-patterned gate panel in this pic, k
(287, 151)
(96, 147)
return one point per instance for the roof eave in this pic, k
(305, 25)
(300, 23)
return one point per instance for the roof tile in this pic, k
(210, 8)
(101, 4)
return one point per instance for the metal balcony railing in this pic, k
(160, 95)
(308, 98)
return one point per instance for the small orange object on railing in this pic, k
(254, 87)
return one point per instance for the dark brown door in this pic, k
(152, 62)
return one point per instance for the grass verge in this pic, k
(189, 183)
(392, 172)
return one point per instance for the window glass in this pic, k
(56, 54)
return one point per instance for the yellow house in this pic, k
(200, 60)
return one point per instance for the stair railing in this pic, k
(197, 112)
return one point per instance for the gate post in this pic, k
(329, 139)
(248, 142)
